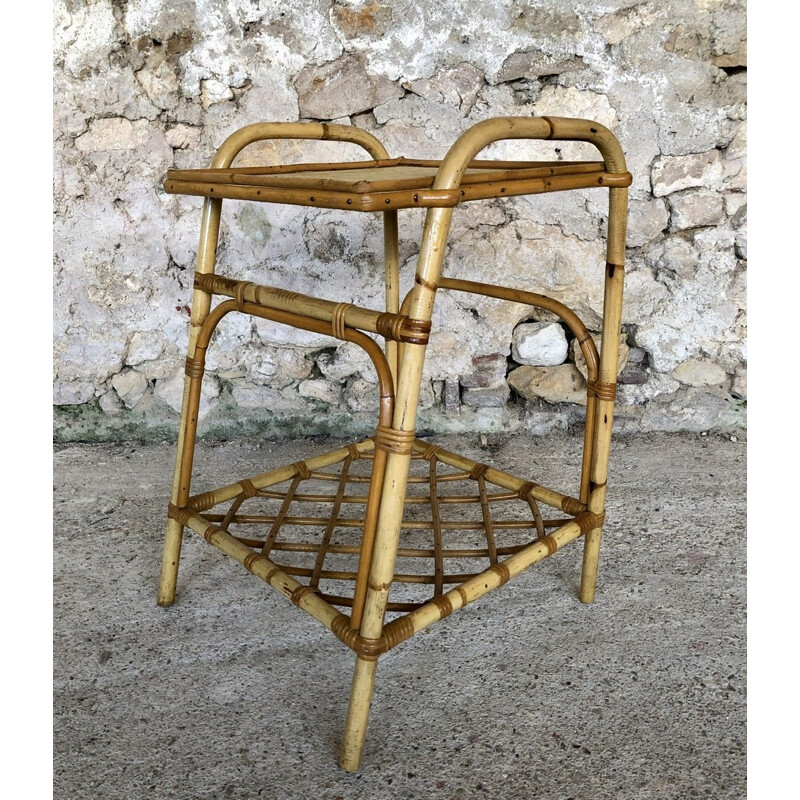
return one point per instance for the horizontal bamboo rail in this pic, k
(397, 198)
(386, 324)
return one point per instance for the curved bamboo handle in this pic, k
(479, 136)
(259, 131)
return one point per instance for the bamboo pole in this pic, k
(609, 354)
(392, 280)
(181, 484)
(394, 487)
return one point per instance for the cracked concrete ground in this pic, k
(233, 692)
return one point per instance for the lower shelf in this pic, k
(465, 525)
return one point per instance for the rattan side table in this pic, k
(332, 527)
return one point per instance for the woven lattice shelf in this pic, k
(457, 522)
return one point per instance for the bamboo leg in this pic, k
(609, 353)
(392, 267)
(201, 302)
(393, 494)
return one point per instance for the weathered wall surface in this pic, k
(144, 86)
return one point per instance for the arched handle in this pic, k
(260, 131)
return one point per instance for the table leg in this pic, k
(606, 386)
(201, 303)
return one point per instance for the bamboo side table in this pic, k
(333, 527)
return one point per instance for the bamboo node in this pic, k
(394, 441)
(210, 532)
(252, 558)
(338, 328)
(194, 368)
(300, 592)
(180, 514)
(442, 602)
(601, 390)
(201, 502)
(502, 572)
(301, 469)
(463, 595)
(430, 451)
(570, 505)
(398, 630)
(526, 489)
(422, 282)
(478, 471)
(248, 490)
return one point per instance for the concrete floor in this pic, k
(233, 692)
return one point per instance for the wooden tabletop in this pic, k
(388, 183)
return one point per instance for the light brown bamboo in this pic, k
(549, 497)
(392, 280)
(429, 267)
(481, 584)
(353, 316)
(265, 569)
(201, 303)
(353, 200)
(609, 354)
(181, 484)
(585, 342)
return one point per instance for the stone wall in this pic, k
(144, 86)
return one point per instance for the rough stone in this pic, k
(129, 385)
(361, 396)
(213, 91)
(72, 393)
(637, 394)
(457, 87)
(580, 362)
(145, 346)
(170, 390)
(318, 389)
(486, 397)
(110, 403)
(539, 344)
(636, 355)
(674, 173)
(143, 87)
(695, 209)
(739, 388)
(346, 360)
(342, 88)
(556, 384)
(699, 373)
(694, 410)
(647, 219)
(633, 375)
(183, 137)
(531, 64)
(160, 83)
(451, 396)
(487, 371)
(370, 19)
(114, 133)
(249, 396)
